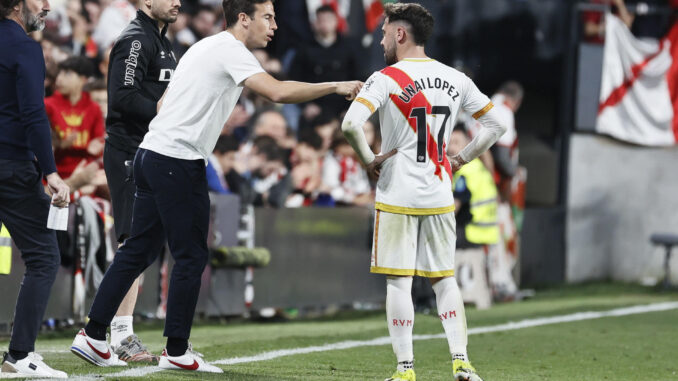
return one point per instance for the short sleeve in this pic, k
(374, 93)
(474, 101)
(241, 64)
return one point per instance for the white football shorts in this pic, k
(409, 245)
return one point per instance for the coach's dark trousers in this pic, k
(24, 207)
(171, 202)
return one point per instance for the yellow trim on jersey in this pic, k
(366, 103)
(413, 211)
(418, 59)
(410, 272)
(483, 111)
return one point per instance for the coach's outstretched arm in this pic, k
(492, 130)
(296, 92)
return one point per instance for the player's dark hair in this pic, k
(78, 64)
(6, 7)
(232, 8)
(226, 143)
(325, 8)
(512, 89)
(417, 17)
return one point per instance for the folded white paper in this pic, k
(57, 218)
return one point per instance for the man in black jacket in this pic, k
(24, 206)
(140, 67)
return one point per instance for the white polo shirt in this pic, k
(200, 97)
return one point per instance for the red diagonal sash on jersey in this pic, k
(418, 100)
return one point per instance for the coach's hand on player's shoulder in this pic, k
(349, 89)
(374, 168)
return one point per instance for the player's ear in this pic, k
(244, 19)
(400, 34)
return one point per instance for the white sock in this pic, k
(400, 316)
(121, 328)
(451, 314)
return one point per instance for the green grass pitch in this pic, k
(634, 347)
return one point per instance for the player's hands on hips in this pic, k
(349, 89)
(456, 162)
(374, 168)
(59, 190)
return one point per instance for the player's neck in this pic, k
(239, 33)
(413, 51)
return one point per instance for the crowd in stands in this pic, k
(268, 154)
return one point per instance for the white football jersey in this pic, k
(418, 101)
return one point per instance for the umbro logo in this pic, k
(162, 54)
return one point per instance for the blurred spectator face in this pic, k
(273, 124)
(165, 10)
(261, 56)
(101, 98)
(69, 82)
(203, 23)
(262, 26)
(458, 141)
(326, 24)
(305, 153)
(270, 167)
(93, 10)
(326, 132)
(388, 42)
(226, 160)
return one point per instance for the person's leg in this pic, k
(400, 317)
(452, 315)
(24, 207)
(122, 190)
(132, 258)
(183, 203)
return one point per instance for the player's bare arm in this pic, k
(296, 92)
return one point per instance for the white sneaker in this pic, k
(96, 352)
(31, 366)
(190, 360)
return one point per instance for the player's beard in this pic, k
(33, 22)
(165, 17)
(390, 54)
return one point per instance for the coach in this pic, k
(24, 206)
(140, 67)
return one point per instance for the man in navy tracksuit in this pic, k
(24, 206)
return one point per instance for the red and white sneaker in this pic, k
(190, 360)
(96, 352)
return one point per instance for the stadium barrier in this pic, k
(319, 257)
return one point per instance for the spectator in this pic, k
(201, 26)
(343, 177)
(306, 170)
(75, 118)
(272, 123)
(330, 57)
(113, 20)
(507, 101)
(99, 94)
(326, 127)
(220, 163)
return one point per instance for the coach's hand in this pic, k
(59, 190)
(349, 89)
(374, 168)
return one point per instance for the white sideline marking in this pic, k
(510, 326)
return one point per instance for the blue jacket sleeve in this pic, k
(30, 97)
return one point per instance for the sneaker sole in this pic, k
(80, 353)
